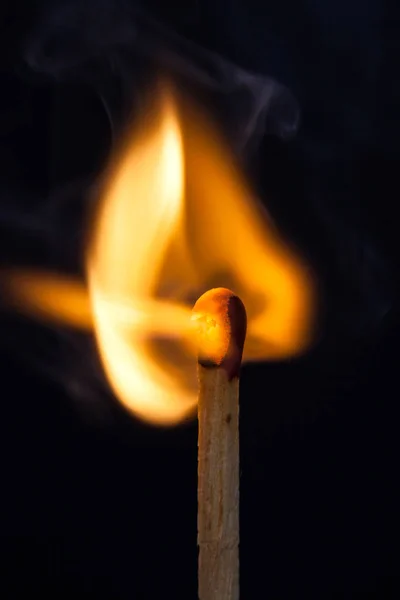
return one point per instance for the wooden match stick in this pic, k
(221, 321)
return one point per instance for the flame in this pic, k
(175, 218)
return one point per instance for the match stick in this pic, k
(221, 321)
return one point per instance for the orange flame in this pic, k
(175, 218)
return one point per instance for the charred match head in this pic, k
(221, 321)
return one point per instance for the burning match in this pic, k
(152, 246)
(221, 322)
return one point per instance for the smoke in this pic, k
(94, 40)
(44, 233)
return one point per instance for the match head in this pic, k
(220, 319)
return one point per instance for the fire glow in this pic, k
(174, 219)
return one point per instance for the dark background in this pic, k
(95, 504)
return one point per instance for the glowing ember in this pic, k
(175, 219)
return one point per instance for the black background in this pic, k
(95, 504)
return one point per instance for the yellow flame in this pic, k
(175, 218)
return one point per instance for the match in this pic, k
(220, 319)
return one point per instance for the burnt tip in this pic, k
(220, 321)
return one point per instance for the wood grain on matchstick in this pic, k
(222, 327)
